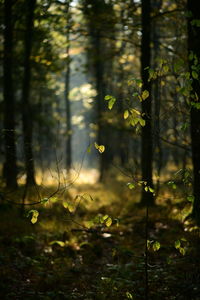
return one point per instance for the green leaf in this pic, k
(165, 69)
(182, 250)
(34, 216)
(156, 246)
(140, 98)
(111, 101)
(177, 244)
(108, 222)
(107, 97)
(146, 188)
(60, 243)
(130, 185)
(89, 224)
(103, 218)
(151, 190)
(190, 198)
(142, 122)
(44, 200)
(54, 199)
(137, 81)
(152, 74)
(172, 184)
(183, 239)
(126, 114)
(135, 112)
(196, 105)
(145, 95)
(70, 206)
(178, 65)
(129, 295)
(185, 126)
(194, 74)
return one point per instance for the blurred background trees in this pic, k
(60, 59)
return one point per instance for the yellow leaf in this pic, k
(126, 114)
(108, 222)
(100, 148)
(145, 95)
(156, 246)
(60, 243)
(96, 145)
(70, 206)
(35, 215)
(135, 111)
(33, 220)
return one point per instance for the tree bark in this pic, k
(94, 15)
(67, 101)
(10, 166)
(194, 47)
(26, 107)
(146, 151)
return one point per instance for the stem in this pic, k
(146, 255)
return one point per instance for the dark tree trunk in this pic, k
(67, 101)
(100, 87)
(26, 107)
(156, 97)
(146, 152)
(95, 14)
(10, 166)
(194, 47)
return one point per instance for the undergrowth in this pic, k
(96, 249)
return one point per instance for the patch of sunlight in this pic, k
(86, 176)
(181, 214)
(84, 92)
(51, 177)
(22, 179)
(77, 120)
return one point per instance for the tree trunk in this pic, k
(99, 70)
(99, 20)
(156, 97)
(146, 151)
(26, 107)
(194, 47)
(10, 166)
(67, 101)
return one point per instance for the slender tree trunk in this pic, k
(67, 101)
(99, 70)
(10, 166)
(194, 47)
(146, 153)
(26, 107)
(156, 94)
(96, 12)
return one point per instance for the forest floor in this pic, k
(74, 252)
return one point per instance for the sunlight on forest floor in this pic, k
(52, 177)
(61, 251)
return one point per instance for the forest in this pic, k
(100, 149)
